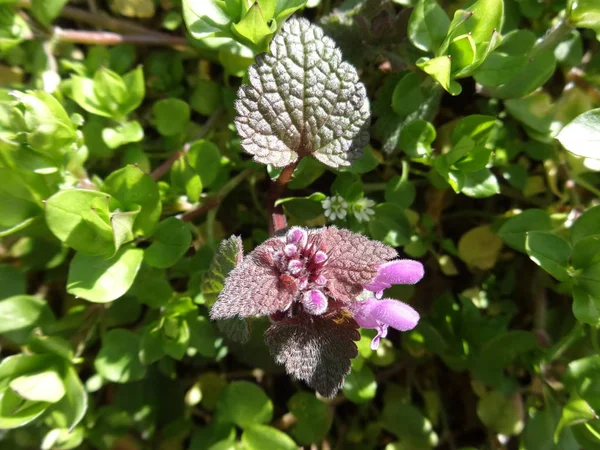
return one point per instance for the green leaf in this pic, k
(20, 314)
(366, 163)
(244, 404)
(136, 90)
(407, 97)
(228, 255)
(259, 437)
(498, 353)
(102, 280)
(390, 225)
(416, 138)
(71, 409)
(205, 158)
(79, 218)
(151, 345)
(206, 98)
(314, 418)
(45, 11)
(582, 135)
(306, 173)
(514, 230)
(550, 252)
(440, 68)
(409, 424)
(51, 131)
(16, 412)
(122, 134)
(586, 252)
(480, 247)
(586, 225)
(481, 21)
(462, 50)
(535, 73)
(500, 413)
(172, 116)
(360, 386)
(44, 386)
(303, 208)
(584, 14)
(586, 305)
(400, 192)
(133, 188)
(254, 27)
(574, 412)
(171, 239)
(185, 179)
(480, 184)
(12, 281)
(348, 186)
(118, 360)
(122, 225)
(428, 25)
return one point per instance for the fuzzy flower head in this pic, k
(308, 282)
(335, 207)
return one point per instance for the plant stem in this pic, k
(279, 222)
(162, 170)
(111, 38)
(214, 201)
(584, 184)
(139, 34)
(552, 38)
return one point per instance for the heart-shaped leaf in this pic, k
(303, 99)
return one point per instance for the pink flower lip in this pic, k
(381, 314)
(401, 271)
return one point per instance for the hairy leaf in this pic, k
(303, 99)
(316, 350)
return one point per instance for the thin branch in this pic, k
(189, 216)
(577, 76)
(279, 222)
(216, 200)
(164, 168)
(141, 34)
(111, 38)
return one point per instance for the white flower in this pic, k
(363, 209)
(335, 207)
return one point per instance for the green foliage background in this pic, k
(121, 171)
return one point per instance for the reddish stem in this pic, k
(279, 222)
(201, 210)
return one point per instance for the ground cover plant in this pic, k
(284, 224)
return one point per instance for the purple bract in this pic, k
(309, 283)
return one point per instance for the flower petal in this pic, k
(315, 349)
(394, 313)
(400, 271)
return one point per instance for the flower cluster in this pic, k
(309, 283)
(337, 208)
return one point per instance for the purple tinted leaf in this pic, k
(254, 287)
(315, 349)
(353, 261)
(303, 99)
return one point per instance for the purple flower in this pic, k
(381, 314)
(401, 271)
(308, 283)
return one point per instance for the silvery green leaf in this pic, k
(303, 99)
